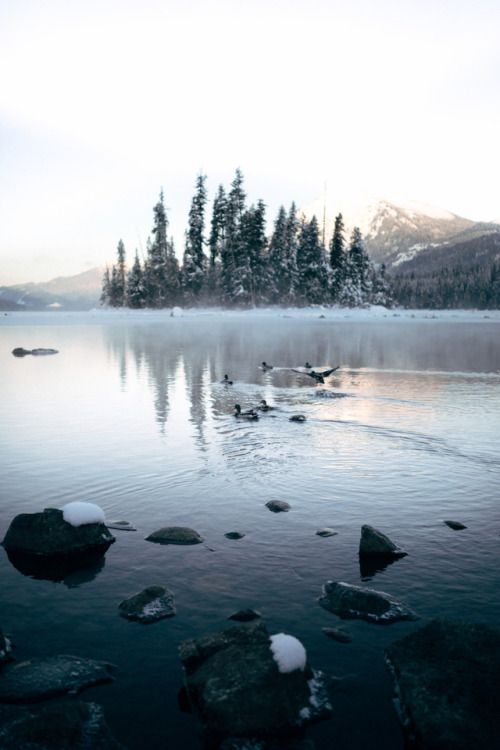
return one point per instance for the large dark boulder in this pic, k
(356, 602)
(45, 677)
(241, 687)
(447, 677)
(48, 534)
(374, 543)
(72, 725)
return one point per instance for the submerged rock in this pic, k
(455, 525)
(75, 725)
(46, 677)
(374, 543)
(355, 602)
(234, 535)
(278, 506)
(448, 685)
(326, 532)
(151, 604)
(338, 634)
(121, 525)
(245, 615)
(235, 681)
(48, 534)
(175, 535)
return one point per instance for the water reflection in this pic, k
(193, 356)
(72, 571)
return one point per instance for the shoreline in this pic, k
(114, 316)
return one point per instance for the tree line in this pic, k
(232, 263)
(476, 287)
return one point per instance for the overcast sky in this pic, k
(104, 102)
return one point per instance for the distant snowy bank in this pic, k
(112, 316)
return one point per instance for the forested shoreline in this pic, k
(230, 262)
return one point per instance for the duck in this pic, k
(249, 414)
(226, 380)
(264, 366)
(297, 418)
(264, 406)
(319, 377)
(308, 366)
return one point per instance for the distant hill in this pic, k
(407, 235)
(80, 292)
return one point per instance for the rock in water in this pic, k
(244, 615)
(355, 602)
(375, 544)
(278, 506)
(46, 677)
(72, 724)
(326, 532)
(448, 684)
(175, 535)
(153, 603)
(48, 534)
(455, 525)
(234, 681)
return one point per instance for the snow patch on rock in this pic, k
(79, 513)
(288, 652)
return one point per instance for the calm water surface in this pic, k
(133, 417)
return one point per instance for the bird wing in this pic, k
(326, 373)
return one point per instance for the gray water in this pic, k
(133, 417)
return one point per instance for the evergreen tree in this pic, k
(311, 265)
(135, 293)
(338, 256)
(250, 271)
(232, 249)
(120, 277)
(194, 261)
(216, 242)
(282, 264)
(156, 262)
(357, 283)
(106, 288)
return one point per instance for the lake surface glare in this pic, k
(132, 416)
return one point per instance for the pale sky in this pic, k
(105, 102)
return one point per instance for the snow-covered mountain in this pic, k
(395, 231)
(80, 292)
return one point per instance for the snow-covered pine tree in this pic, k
(250, 271)
(120, 276)
(135, 291)
(311, 265)
(155, 273)
(194, 260)
(357, 284)
(106, 288)
(216, 242)
(282, 262)
(232, 249)
(337, 257)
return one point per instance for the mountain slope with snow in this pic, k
(395, 231)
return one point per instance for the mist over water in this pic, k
(134, 417)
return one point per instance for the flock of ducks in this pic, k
(252, 414)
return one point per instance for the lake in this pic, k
(131, 415)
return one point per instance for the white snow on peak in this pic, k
(79, 514)
(288, 652)
(367, 211)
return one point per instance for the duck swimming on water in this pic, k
(319, 377)
(264, 366)
(264, 406)
(249, 414)
(226, 380)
